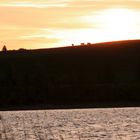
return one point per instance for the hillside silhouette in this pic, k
(95, 75)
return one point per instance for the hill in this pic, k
(95, 75)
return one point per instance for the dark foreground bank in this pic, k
(98, 75)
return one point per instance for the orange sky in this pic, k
(35, 24)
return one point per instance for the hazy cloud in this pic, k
(28, 18)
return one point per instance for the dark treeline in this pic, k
(105, 74)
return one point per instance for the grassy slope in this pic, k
(99, 74)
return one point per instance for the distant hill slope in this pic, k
(96, 75)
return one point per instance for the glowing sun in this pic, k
(119, 19)
(119, 23)
(114, 24)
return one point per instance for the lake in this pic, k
(72, 124)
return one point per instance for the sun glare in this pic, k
(114, 24)
(119, 20)
(52, 23)
(120, 23)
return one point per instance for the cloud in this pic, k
(44, 18)
(25, 21)
(34, 3)
(103, 4)
(31, 43)
(67, 16)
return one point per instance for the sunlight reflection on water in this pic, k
(111, 123)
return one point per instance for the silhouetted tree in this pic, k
(88, 44)
(82, 44)
(4, 49)
(22, 49)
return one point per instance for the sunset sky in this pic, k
(35, 24)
